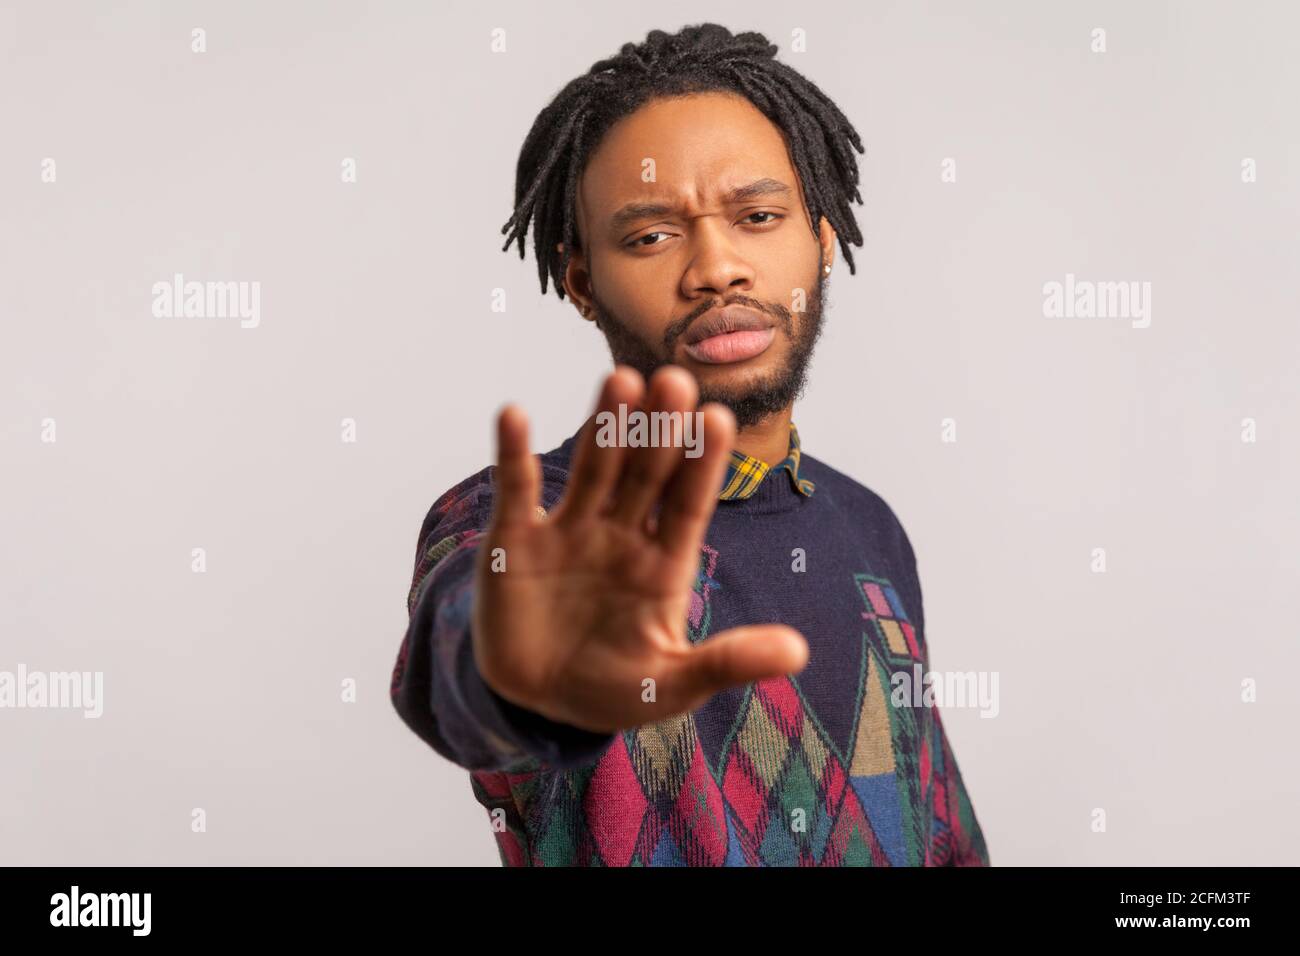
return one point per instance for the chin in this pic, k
(735, 381)
(737, 375)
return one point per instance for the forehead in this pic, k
(702, 145)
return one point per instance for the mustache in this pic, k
(676, 329)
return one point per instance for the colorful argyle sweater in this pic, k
(816, 769)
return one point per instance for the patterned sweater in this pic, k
(820, 768)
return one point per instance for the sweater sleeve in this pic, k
(436, 686)
(955, 835)
(956, 838)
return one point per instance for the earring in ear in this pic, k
(827, 270)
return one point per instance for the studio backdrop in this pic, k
(1068, 361)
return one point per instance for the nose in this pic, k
(717, 266)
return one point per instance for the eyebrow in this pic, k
(636, 211)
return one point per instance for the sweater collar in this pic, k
(745, 473)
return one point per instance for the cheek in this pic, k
(644, 302)
(793, 291)
(784, 266)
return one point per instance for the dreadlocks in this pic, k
(696, 59)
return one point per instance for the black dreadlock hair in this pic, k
(696, 59)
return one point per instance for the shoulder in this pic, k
(849, 494)
(865, 509)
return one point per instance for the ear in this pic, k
(826, 239)
(577, 283)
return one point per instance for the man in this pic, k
(646, 657)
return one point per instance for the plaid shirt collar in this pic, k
(745, 473)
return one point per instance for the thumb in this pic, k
(740, 656)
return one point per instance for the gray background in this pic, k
(1118, 690)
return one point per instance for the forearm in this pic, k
(440, 694)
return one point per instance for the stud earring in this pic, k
(827, 270)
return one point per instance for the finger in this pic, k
(594, 470)
(736, 657)
(647, 468)
(516, 480)
(692, 493)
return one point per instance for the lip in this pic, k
(730, 334)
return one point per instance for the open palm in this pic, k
(580, 615)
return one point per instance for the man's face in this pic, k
(697, 251)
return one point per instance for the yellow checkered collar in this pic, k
(745, 473)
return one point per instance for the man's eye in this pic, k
(649, 240)
(642, 240)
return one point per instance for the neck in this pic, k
(767, 440)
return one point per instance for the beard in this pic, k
(752, 401)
